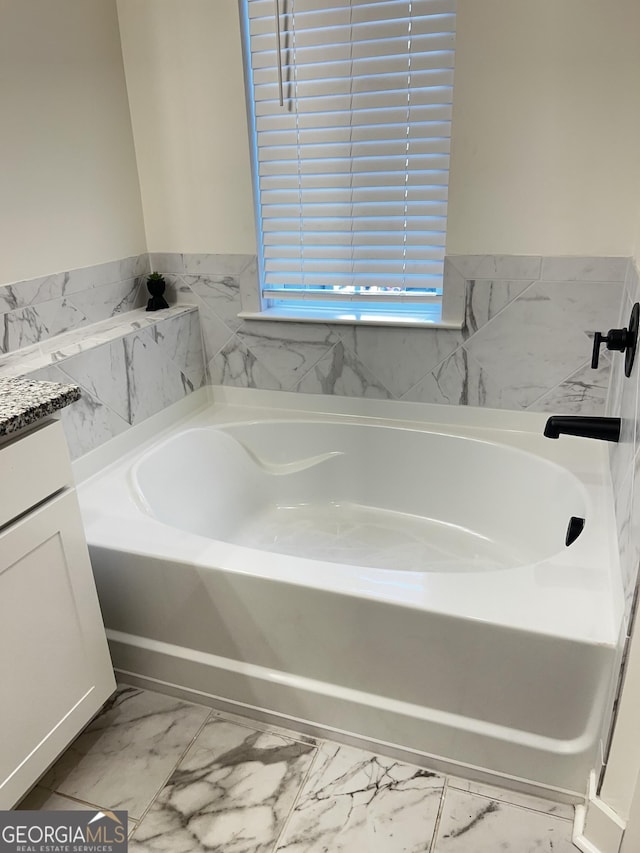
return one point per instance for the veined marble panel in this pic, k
(473, 823)
(220, 294)
(236, 365)
(180, 340)
(514, 798)
(105, 301)
(37, 309)
(37, 323)
(583, 393)
(153, 380)
(102, 373)
(125, 754)
(126, 379)
(215, 334)
(509, 362)
(398, 357)
(22, 294)
(287, 350)
(81, 340)
(121, 269)
(460, 381)
(340, 372)
(485, 298)
(541, 338)
(261, 726)
(354, 800)
(231, 792)
(88, 422)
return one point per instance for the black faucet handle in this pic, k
(621, 340)
(595, 355)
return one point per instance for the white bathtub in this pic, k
(393, 571)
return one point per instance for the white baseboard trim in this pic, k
(597, 828)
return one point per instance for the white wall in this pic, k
(545, 121)
(69, 194)
(183, 63)
(546, 127)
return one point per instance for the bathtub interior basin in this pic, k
(362, 495)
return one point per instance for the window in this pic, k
(351, 134)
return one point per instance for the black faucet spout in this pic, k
(606, 429)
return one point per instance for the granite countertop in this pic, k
(23, 401)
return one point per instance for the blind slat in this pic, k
(322, 279)
(346, 66)
(345, 266)
(355, 118)
(366, 50)
(283, 252)
(345, 84)
(264, 8)
(355, 238)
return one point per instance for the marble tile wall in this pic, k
(38, 309)
(87, 326)
(624, 402)
(128, 368)
(525, 343)
(125, 381)
(197, 780)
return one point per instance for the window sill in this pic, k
(429, 317)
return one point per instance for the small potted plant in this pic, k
(156, 285)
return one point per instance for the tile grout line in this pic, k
(273, 728)
(163, 785)
(78, 800)
(436, 826)
(555, 387)
(205, 362)
(93, 806)
(280, 341)
(204, 308)
(359, 360)
(513, 805)
(465, 341)
(87, 391)
(296, 800)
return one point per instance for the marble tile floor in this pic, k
(193, 780)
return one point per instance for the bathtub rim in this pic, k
(473, 421)
(120, 453)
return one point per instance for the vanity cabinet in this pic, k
(55, 669)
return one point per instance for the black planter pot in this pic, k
(156, 287)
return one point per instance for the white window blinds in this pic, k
(352, 168)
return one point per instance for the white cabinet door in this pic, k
(55, 669)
